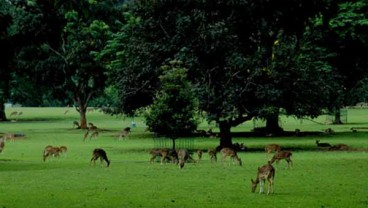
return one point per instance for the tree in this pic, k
(56, 43)
(345, 35)
(227, 48)
(173, 111)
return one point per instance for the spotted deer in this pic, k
(164, 153)
(183, 156)
(228, 152)
(282, 155)
(266, 172)
(272, 148)
(51, 151)
(100, 153)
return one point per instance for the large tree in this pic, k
(56, 43)
(229, 49)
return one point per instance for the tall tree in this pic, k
(227, 47)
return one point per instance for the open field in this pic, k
(317, 179)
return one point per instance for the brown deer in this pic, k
(282, 155)
(231, 153)
(266, 172)
(272, 148)
(164, 153)
(125, 133)
(76, 125)
(51, 151)
(2, 144)
(213, 154)
(100, 153)
(322, 144)
(183, 156)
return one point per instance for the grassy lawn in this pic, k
(317, 179)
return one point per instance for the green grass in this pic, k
(317, 179)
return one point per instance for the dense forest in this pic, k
(228, 61)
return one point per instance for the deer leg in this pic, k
(261, 186)
(270, 186)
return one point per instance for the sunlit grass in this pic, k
(317, 179)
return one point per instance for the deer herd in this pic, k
(182, 156)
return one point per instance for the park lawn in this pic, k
(317, 179)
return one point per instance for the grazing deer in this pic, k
(272, 148)
(322, 144)
(164, 154)
(51, 151)
(183, 156)
(125, 133)
(2, 144)
(63, 149)
(14, 113)
(282, 155)
(76, 125)
(266, 172)
(100, 153)
(213, 154)
(231, 153)
(94, 134)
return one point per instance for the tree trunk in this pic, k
(337, 116)
(83, 119)
(225, 135)
(272, 124)
(2, 110)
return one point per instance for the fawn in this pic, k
(266, 172)
(100, 153)
(231, 153)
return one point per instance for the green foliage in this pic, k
(173, 111)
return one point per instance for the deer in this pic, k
(282, 155)
(322, 144)
(183, 156)
(51, 151)
(199, 153)
(14, 113)
(99, 153)
(2, 144)
(76, 125)
(272, 148)
(125, 133)
(213, 154)
(266, 172)
(231, 153)
(164, 153)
